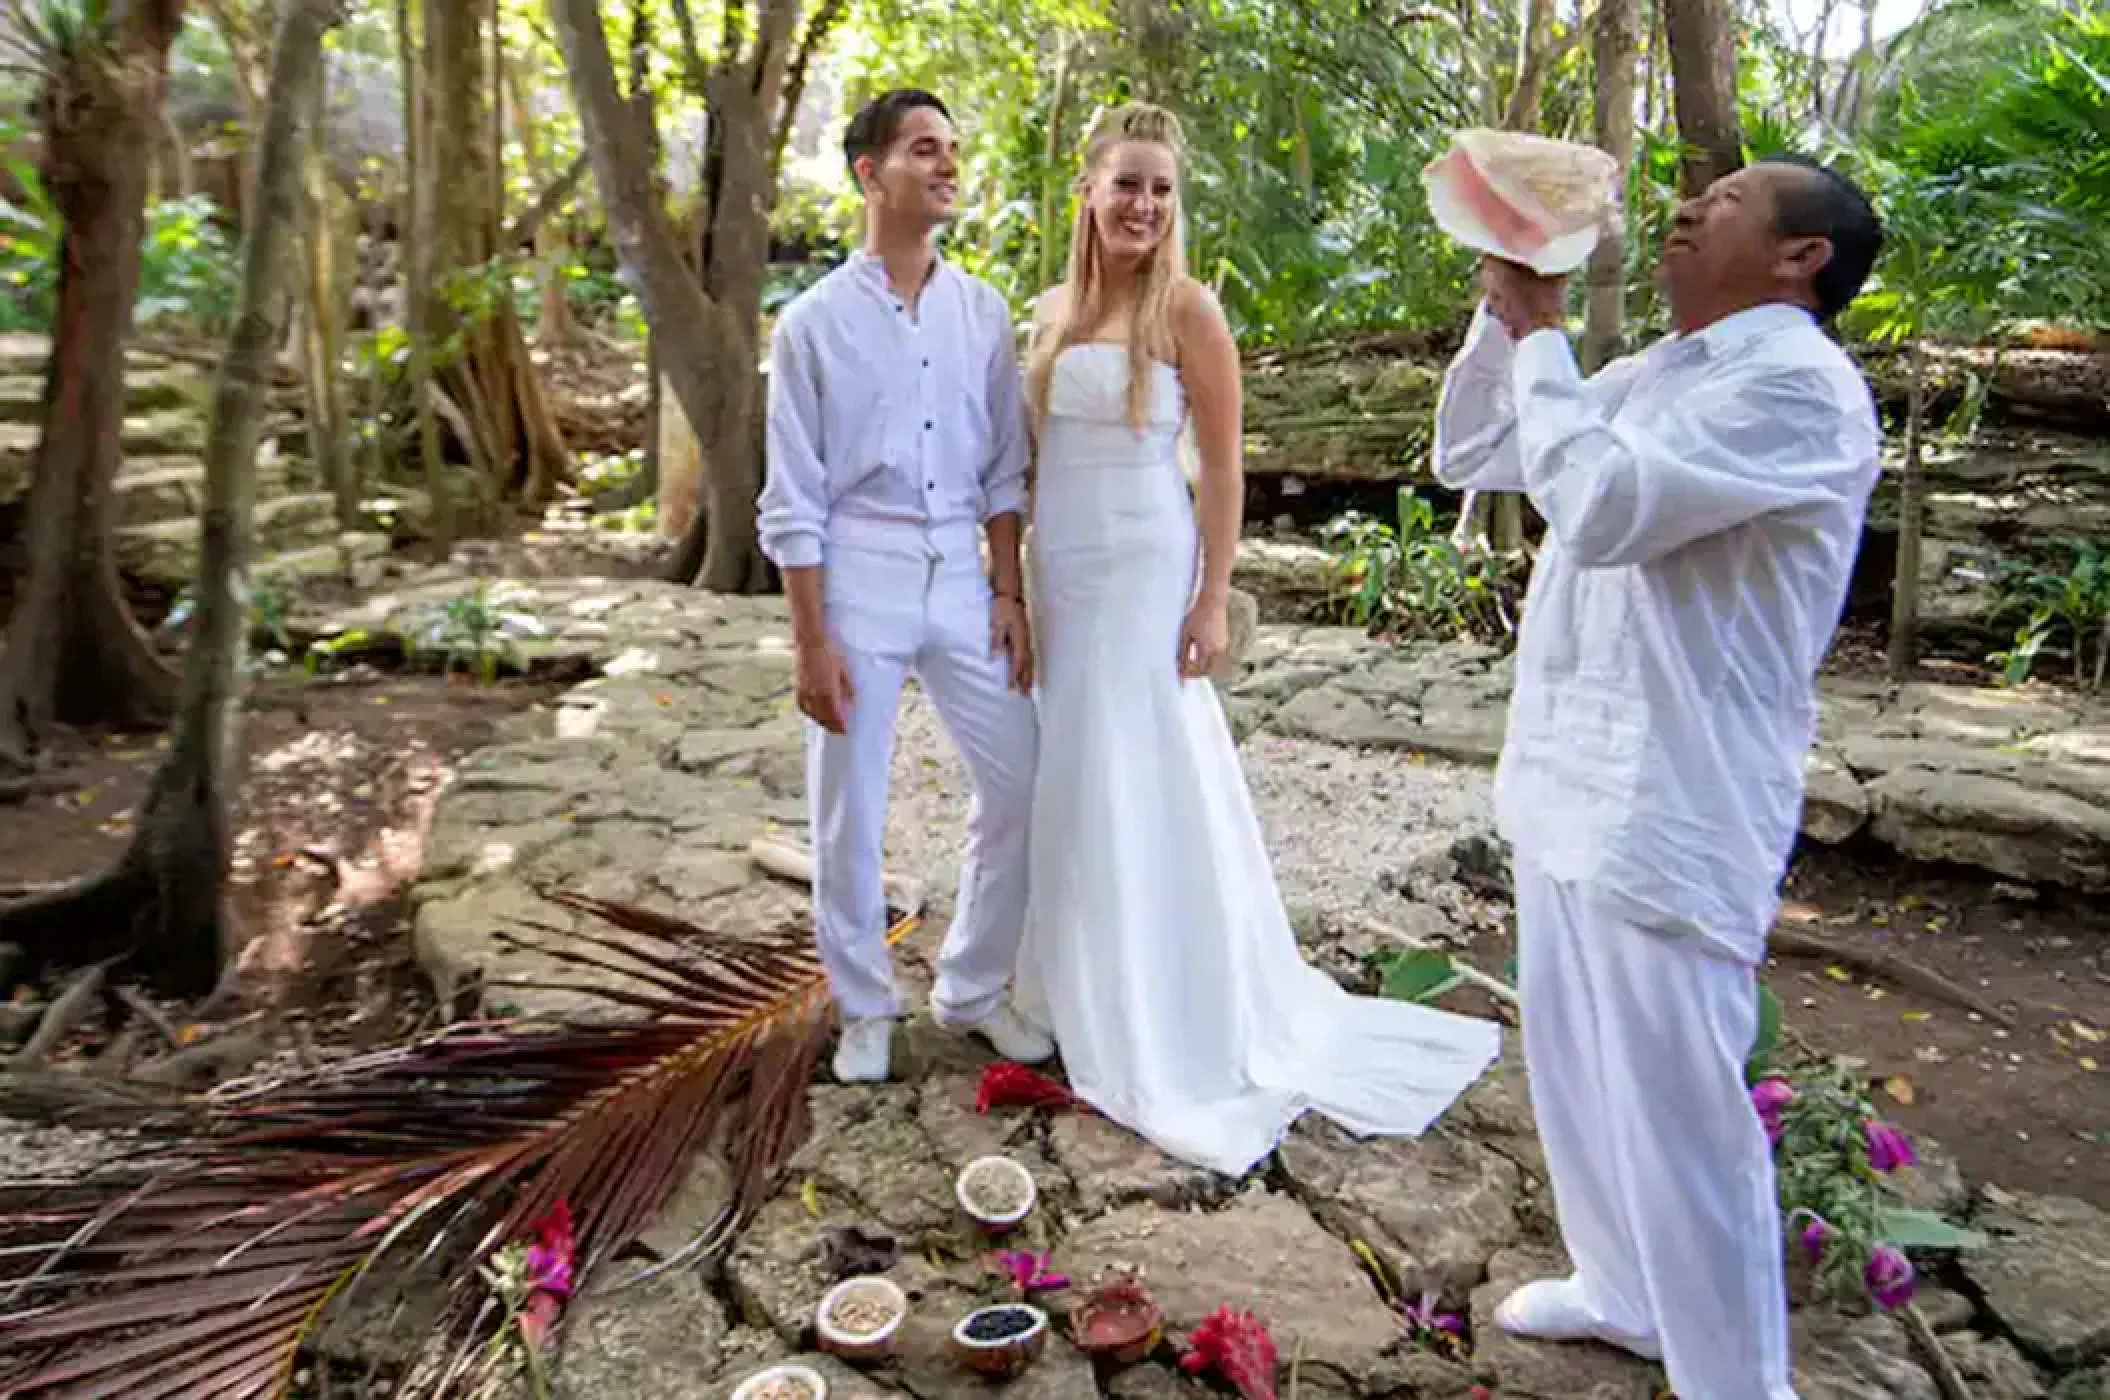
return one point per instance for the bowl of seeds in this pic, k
(1000, 1341)
(859, 1317)
(785, 1382)
(997, 1191)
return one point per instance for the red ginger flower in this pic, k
(1235, 1345)
(1008, 1085)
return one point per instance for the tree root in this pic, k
(14, 791)
(198, 1066)
(1891, 966)
(55, 1098)
(62, 1018)
(1947, 1379)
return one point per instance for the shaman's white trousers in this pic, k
(896, 612)
(1635, 1043)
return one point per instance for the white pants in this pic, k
(893, 615)
(1635, 1043)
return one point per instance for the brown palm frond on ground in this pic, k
(198, 1268)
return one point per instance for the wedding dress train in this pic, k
(1157, 948)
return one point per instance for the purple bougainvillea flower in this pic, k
(1888, 1149)
(1770, 1097)
(1889, 1277)
(1815, 1236)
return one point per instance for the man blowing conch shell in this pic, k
(1704, 502)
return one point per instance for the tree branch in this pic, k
(818, 28)
(549, 202)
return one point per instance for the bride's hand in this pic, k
(1205, 637)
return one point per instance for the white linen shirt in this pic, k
(1704, 502)
(891, 429)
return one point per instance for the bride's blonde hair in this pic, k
(1150, 336)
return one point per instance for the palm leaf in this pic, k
(199, 1267)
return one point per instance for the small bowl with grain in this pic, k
(997, 1192)
(860, 1318)
(789, 1381)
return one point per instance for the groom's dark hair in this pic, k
(878, 122)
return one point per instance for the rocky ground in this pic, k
(646, 782)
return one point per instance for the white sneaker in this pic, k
(865, 1054)
(1554, 1310)
(1008, 1034)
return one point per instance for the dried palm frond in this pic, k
(198, 1267)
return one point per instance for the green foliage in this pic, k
(187, 268)
(1767, 1043)
(1409, 579)
(479, 630)
(29, 246)
(1836, 1190)
(1422, 975)
(2073, 605)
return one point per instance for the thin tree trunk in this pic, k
(822, 23)
(1052, 179)
(420, 222)
(326, 425)
(1912, 510)
(1703, 89)
(74, 651)
(1613, 49)
(161, 901)
(696, 335)
(1534, 66)
(554, 325)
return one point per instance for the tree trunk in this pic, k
(420, 224)
(700, 343)
(1614, 45)
(554, 324)
(489, 375)
(326, 418)
(1703, 89)
(1053, 183)
(1534, 67)
(720, 550)
(1912, 510)
(74, 651)
(161, 901)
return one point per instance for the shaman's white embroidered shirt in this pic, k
(891, 427)
(1704, 502)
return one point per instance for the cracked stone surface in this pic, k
(648, 781)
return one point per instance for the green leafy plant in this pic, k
(270, 612)
(1412, 580)
(2074, 605)
(1836, 1161)
(480, 630)
(187, 268)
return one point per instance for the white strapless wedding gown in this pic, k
(1157, 949)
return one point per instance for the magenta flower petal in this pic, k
(1815, 1236)
(1770, 1096)
(1888, 1149)
(1889, 1277)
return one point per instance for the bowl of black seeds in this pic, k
(1002, 1340)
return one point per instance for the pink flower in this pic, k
(1888, 1149)
(538, 1318)
(1815, 1236)
(1422, 1316)
(1889, 1277)
(1771, 1097)
(1029, 1271)
(550, 1257)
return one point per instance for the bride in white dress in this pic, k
(1157, 948)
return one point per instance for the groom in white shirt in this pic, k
(1703, 504)
(897, 438)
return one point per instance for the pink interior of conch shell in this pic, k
(1486, 213)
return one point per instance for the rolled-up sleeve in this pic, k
(1772, 441)
(1004, 476)
(1476, 441)
(794, 502)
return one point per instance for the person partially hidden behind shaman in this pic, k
(896, 438)
(1703, 503)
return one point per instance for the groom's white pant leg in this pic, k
(874, 605)
(1677, 1157)
(998, 736)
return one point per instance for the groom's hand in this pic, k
(824, 687)
(1011, 636)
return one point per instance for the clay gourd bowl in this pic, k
(995, 1223)
(1119, 1331)
(871, 1345)
(1004, 1357)
(790, 1371)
